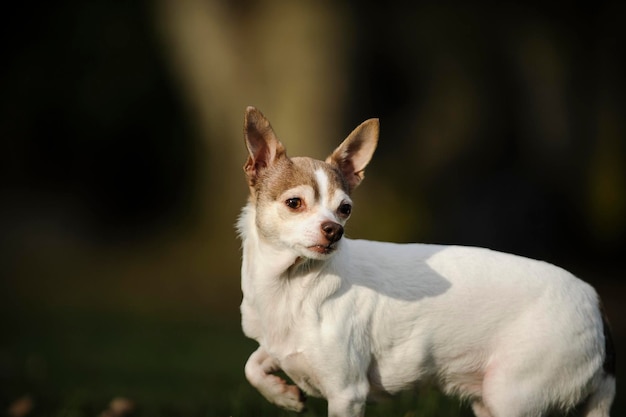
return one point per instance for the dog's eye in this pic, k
(294, 203)
(345, 209)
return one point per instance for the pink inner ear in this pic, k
(263, 146)
(355, 152)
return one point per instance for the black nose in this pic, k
(332, 231)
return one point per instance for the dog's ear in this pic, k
(263, 146)
(355, 152)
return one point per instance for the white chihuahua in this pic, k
(354, 320)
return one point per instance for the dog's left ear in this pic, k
(264, 148)
(355, 152)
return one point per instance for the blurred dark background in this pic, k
(121, 151)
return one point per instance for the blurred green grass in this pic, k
(72, 363)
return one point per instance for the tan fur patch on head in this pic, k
(289, 173)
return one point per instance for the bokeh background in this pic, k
(502, 125)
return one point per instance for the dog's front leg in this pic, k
(349, 402)
(259, 369)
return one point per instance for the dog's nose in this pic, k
(332, 231)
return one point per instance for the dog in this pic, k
(356, 320)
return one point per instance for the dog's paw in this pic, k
(289, 397)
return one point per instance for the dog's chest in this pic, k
(289, 345)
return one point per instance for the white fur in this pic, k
(515, 336)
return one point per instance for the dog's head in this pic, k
(302, 204)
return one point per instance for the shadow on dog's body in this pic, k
(351, 320)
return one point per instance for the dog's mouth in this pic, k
(323, 249)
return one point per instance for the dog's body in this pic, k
(352, 320)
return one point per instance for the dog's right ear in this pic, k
(263, 146)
